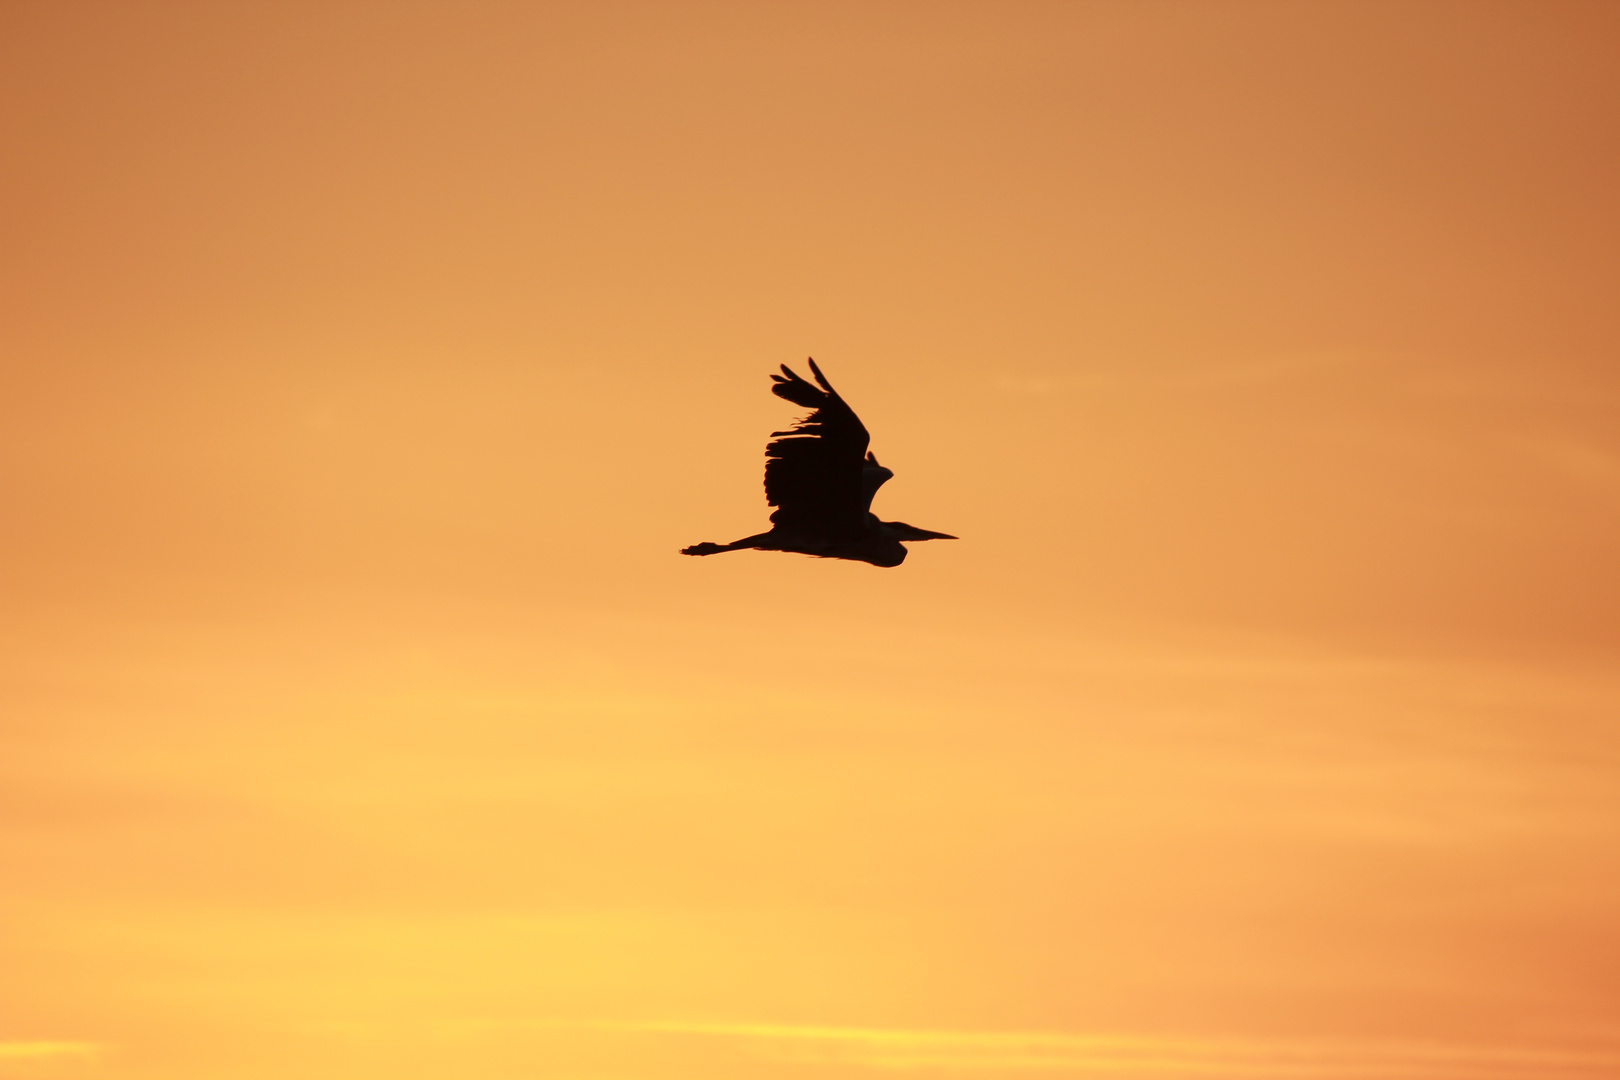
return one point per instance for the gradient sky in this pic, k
(365, 365)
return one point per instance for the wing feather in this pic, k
(815, 471)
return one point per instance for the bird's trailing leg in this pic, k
(710, 548)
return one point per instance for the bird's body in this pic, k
(821, 478)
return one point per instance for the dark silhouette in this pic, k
(821, 478)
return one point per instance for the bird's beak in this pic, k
(911, 532)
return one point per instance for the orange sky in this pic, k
(365, 366)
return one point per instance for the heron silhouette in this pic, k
(821, 478)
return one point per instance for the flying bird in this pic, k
(821, 478)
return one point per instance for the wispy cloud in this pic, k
(1584, 462)
(1098, 1054)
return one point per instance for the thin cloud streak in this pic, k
(1253, 372)
(45, 1049)
(1146, 1056)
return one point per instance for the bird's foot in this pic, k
(705, 548)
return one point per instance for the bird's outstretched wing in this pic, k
(814, 473)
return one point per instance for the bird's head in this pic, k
(886, 556)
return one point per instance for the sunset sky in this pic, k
(365, 365)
